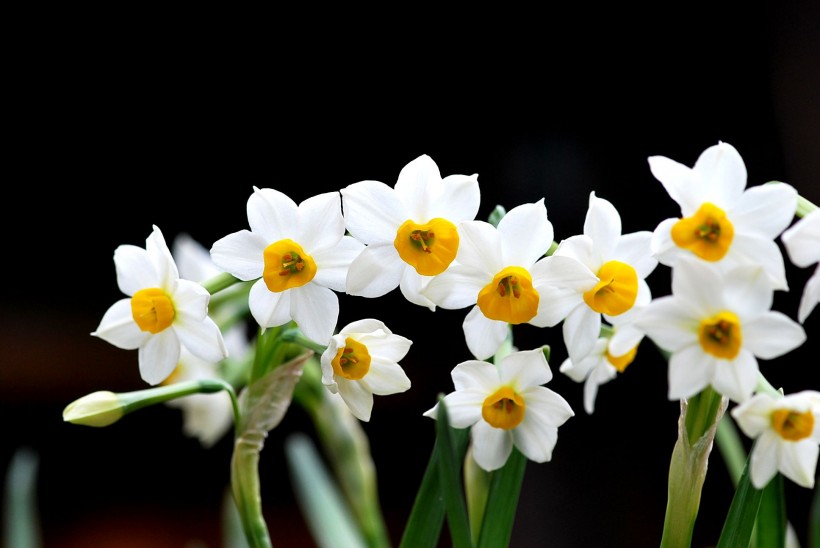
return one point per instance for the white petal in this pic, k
(417, 186)
(764, 459)
(525, 369)
(240, 254)
(365, 326)
(634, 249)
(483, 335)
(600, 375)
(159, 356)
(535, 439)
(476, 374)
(581, 329)
(458, 200)
(581, 248)
(191, 299)
(525, 234)
(723, 174)
(697, 285)
(678, 180)
(798, 462)
(662, 245)
(546, 406)
(555, 304)
(375, 271)
(315, 309)
(766, 209)
(333, 263)
(269, 309)
(753, 416)
(386, 378)
(412, 285)
(736, 379)
(564, 272)
(757, 250)
(464, 407)
(772, 335)
(201, 337)
(669, 323)
(801, 240)
(690, 371)
(749, 293)
(372, 212)
(321, 224)
(479, 247)
(161, 257)
(603, 226)
(579, 371)
(135, 269)
(491, 446)
(457, 287)
(389, 348)
(625, 338)
(272, 215)
(811, 296)
(193, 259)
(358, 399)
(119, 328)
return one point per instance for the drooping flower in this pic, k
(505, 406)
(362, 360)
(787, 436)
(410, 230)
(162, 312)
(598, 274)
(298, 255)
(496, 272)
(722, 221)
(802, 243)
(715, 325)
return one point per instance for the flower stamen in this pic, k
(510, 297)
(504, 408)
(352, 361)
(721, 336)
(708, 233)
(152, 309)
(287, 266)
(793, 425)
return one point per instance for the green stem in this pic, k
(804, 207)
(219, 282)
(731, 448)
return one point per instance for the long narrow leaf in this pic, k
(814, 521)
(502, 502)
(427, 515)
(450, 481)
(771, 516)
(21, 520)
(740, 521)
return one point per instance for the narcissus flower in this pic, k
(787, 436)
(298, 255)
(600, 273)
(506, 406)
(802, 242)
(723, 222)
(362, 360)
(410, 230)
(496, 272)
(715, 325)
(162, 313)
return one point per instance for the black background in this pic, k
(171, 120)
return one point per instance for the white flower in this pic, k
(600, 273)
(162, 312)
(495, 271)
(506, 406)
(787, 434)
(298, 255)
(596, 368)
(723, 222)
(802, 242)
(362, 360)
(715, 325)
(410, 230)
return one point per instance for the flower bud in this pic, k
(96, 409)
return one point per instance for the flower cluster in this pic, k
(422, 236)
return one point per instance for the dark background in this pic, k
(171, 121)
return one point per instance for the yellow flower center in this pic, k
(428, 247)
(620, 362)
(504, 409)
(152, 309)
(616, 291)
(708, 233)
(510, 297)
(352, 361)
(721, 335)
(287, 266)
(792, 425)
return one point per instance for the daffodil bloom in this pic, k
(362, 360)
(598, 274)
(496, 272)
(298, 255)
(162, 312)
(598, 367)
(722, 222)
(802, 243)
(787, 436)
(505, 406)
(715, 325)
(410, 230)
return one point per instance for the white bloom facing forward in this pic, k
(362, 360)
(162, 313)
(787, 436)
(506, 406)
(723, 222)
(495, 272)
(598, 274)
(715, 325)
(410, 230)
(298, 255)
(802, 242)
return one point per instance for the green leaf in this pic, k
(450, 481)
(771, 516)
(502, 502)
(740, 521)
(814, 520)
(21, 522)
(323, 507)
(427, 515)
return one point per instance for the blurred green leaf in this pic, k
(502, 502)
(21, 521)
(450, 481)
